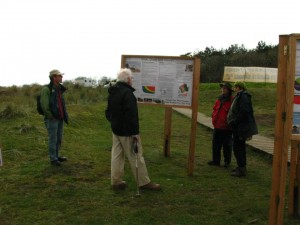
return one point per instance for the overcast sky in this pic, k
(88, 37)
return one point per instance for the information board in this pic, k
(296, 113)
(161, 79)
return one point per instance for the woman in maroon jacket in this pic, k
(222, 134)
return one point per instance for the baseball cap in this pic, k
(55, 72)
(241, 84)
(226, 84)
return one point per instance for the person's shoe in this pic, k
(119, 187)
(55, 163)
(151, 186)
(239, 172)
(226, 164)
(62, 159)
(213, 163)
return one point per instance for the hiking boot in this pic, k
(151, 186)
(62, 159)
(239, 172)
(213, 163)
(55, 163)
(119, 187)
(226, 164)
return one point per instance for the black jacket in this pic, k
(122, 111)
(241, 117)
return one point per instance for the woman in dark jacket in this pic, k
(243, 124)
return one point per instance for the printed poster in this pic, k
(296, 113)
(162, 80)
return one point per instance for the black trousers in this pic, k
(222, 139)
(239, 149)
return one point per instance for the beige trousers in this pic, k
(123, 146)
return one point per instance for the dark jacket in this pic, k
(220, 111)
(49, 102)
(122, 111)
(241, 117)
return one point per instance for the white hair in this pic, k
(124, 74)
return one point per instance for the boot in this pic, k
(239, 172)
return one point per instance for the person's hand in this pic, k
(135, 144)
(135, 137)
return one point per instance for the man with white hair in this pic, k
(122, 113)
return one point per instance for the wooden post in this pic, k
(167, 132)
(192, 146)
(284, 121)
(282, 129)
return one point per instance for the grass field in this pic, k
(33, 192)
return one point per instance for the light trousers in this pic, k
(123, 146)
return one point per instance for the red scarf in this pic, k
(60, 104)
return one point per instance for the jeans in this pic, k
(55, 133)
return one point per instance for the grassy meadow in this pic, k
(34, 192)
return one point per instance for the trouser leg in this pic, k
(52, 127)
(117, 161)
(227, 146)
(239, 149)
(126, 145)
(216, 146)
(60, 129)
(142, 168)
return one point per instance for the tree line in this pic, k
(213, 61)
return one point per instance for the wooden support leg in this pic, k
(293, 186)
(167, 133)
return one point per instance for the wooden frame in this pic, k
(191, 101)
(283, 128)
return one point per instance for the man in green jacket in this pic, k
(54, 108)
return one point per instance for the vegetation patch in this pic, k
(79, 192)
(10, 112)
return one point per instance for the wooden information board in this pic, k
(167, 81)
